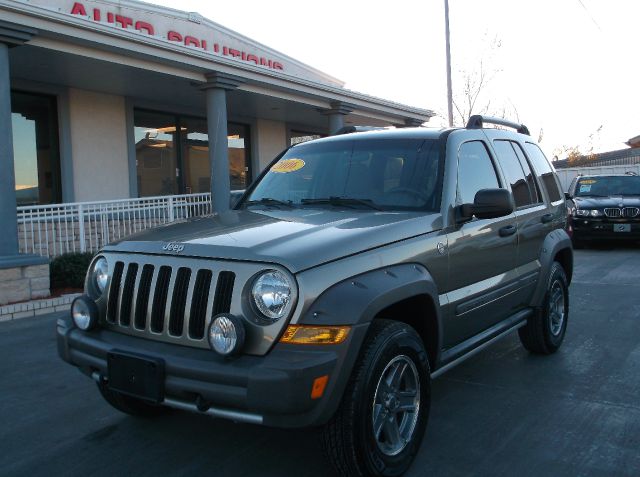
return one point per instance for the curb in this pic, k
(36, 307)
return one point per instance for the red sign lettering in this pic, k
(78, 9)
(187, 40)
(145, 26)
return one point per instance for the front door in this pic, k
(482, 252)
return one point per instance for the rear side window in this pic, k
(475, 171)
(543, 168)
(526, 167)
(514, 173)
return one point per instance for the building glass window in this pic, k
(172, 154)
(238, 139)
(156, 158)
(195, 155)
(34, 122)
(301, 136)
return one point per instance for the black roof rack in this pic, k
(477, 121)
(355, 129)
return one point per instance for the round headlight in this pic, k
(272, 294)
(84, 313)
(100, 274)
(226, 335)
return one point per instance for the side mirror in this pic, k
(488, 204)
(568, 195)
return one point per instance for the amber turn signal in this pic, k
(315, 335)
(317, 390)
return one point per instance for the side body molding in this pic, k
(557, 241)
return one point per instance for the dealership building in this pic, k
(123, 100)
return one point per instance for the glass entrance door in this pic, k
(172, 154)
(156, 154)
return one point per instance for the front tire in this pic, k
(379, 426)
(545, 330)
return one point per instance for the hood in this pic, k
(297, 239)
(615, 201)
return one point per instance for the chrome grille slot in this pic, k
(613, 213)
(142, 297)
(127, 294)
(160, 299)
(198, 314)
(179, 301)
(114, 292)
(631, 212)
(224, 292)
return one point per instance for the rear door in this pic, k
(536, 216)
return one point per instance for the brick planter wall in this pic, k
(24, 283)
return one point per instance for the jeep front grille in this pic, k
(628, 212)
(167, 301)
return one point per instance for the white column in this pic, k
(216, 89)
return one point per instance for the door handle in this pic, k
(546, 218)
(508, 230)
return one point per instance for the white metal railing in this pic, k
(51, 230)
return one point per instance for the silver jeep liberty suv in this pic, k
(352, 272)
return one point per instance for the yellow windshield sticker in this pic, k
(288, 165)
(587, 181)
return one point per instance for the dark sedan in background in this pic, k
(604, 207)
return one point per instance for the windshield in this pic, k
(608, 186)
(387, 174)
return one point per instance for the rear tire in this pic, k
(545, 330)
(389, 391)
(130, 405)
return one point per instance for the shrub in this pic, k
(68, 270)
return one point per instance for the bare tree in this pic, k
(575, 156)
(472, 96)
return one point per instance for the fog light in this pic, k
(84, 313)
(226, 335)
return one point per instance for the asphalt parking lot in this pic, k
(504, 412)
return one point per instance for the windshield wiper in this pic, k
(270, 201)
(348, 201)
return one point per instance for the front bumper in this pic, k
(274, 390)
(603, 229)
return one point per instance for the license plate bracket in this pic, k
(622, 227)
(136, 375)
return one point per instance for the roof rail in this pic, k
(355, 129)
(477, 121)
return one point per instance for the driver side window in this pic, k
(475, 171)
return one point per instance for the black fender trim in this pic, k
(359, 298)
(355, 302)
(554, 243)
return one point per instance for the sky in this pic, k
(565, 68)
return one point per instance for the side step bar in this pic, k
(465, 350)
